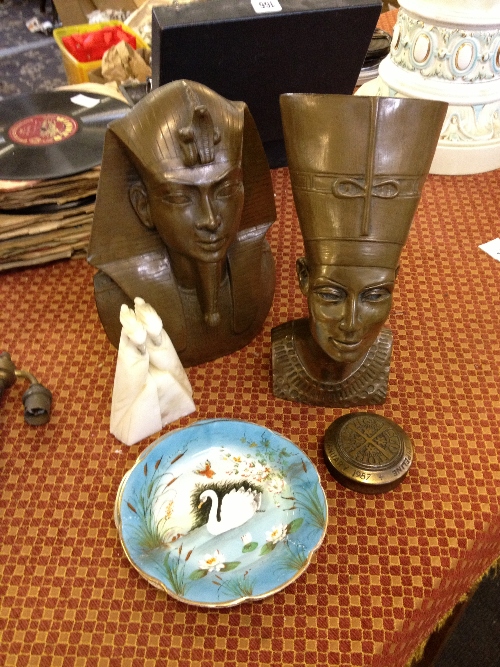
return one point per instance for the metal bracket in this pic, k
(37, 399)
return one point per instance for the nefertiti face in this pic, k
(348, 305)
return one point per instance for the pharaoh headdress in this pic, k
(189, 126)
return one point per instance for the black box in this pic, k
(310, 46)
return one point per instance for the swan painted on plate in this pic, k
(231, 509)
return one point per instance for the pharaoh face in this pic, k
(197, 210)
(348, 306)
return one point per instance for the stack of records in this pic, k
(50, 154)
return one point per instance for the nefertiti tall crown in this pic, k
(357, 167)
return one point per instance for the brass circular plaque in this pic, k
(367, 452)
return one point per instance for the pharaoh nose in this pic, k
(209, 219)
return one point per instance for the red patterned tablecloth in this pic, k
(390, 567)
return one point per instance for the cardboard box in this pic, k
(252, 56)
(75, 12)
(126, 5)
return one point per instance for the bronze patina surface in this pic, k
(357, 168)
(367, 452)
(184, 203)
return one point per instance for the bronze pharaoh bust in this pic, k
(184, 202)
(357, 168)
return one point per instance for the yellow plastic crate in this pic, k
(77, 72)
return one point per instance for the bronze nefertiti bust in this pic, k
(357, 168)
(184, 203)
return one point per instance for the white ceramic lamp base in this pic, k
(446, 51)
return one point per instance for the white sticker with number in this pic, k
(85, 101)
(265, 6)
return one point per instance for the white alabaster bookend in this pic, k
(151, 388)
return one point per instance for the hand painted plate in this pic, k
(221, 512)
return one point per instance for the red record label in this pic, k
(44, 129)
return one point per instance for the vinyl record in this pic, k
(54, 134)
